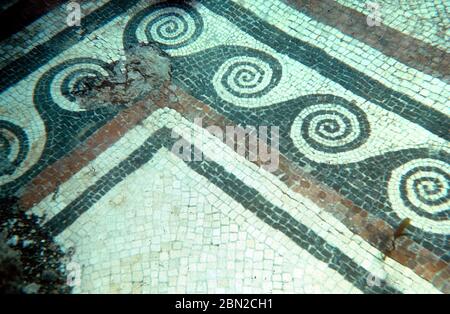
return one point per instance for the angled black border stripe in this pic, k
(16, 70)
(194, 73)
(248, 197)
(330, 67)
(92, 194)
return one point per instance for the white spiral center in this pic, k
(421, 187)
(76, 73)
(168, 26)
(425, 188)
(329, 125)
(243, 76)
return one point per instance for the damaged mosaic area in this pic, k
(358, 201)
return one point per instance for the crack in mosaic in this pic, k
(199, 73)
(381, 148)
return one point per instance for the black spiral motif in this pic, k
(77, 81)
(425, 189)
(250, 75)
(332, 127)
(171, 25)
(419, 190)
(59, 84)
(14, 147)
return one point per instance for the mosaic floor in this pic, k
(351, 124)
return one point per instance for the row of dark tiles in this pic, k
(364, 182)
(250, 198)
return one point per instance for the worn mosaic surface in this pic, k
(363, 144)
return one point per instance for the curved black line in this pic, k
(248, 197)
(346, 76)
(129, 33)
(16, 70)
(8, 167)
(443, 215)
